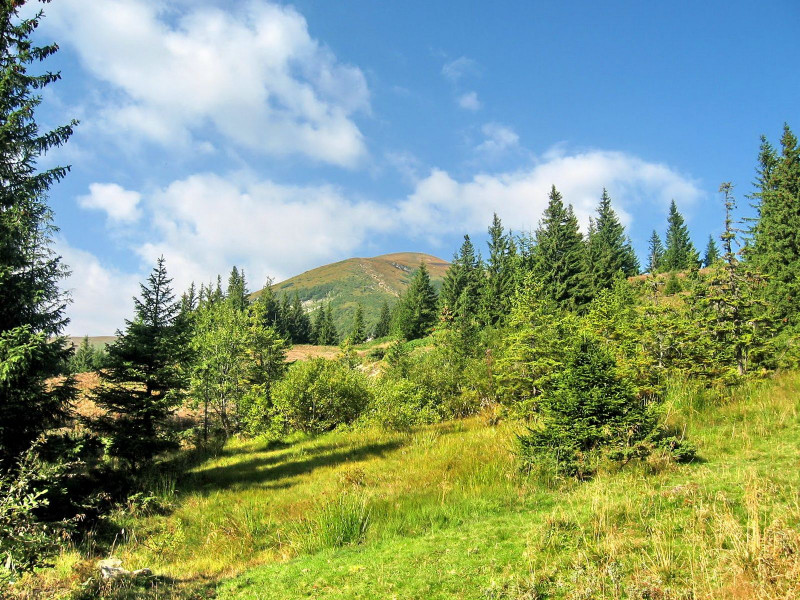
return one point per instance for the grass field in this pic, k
(444, 513)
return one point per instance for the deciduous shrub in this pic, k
(318, 395)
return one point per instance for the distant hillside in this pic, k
(368, 281)
(97, 341)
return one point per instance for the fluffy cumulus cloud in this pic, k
(252, 73)
(119, 204)
(102, 296)
(469, 101)
(205, 223)
(442, 204)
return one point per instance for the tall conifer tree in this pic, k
(559, 255)
(608, 251)
(144, 379)
(383, 326)
(461, 288)
(712, 252)
(415, 315)
(655, 253)
(776, 239)
(501, 274)
(31, 305)
(680, 253)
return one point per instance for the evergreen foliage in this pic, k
(533, 347)
(384, 324)
(776, 237)
(679, 254)
(655, 254)
(608, 251)
(299, 330)
(31, 305)
(325, 333)
(358, 334)
(711, 254)
(144, 379)
(237, 290)
(415, 313)
(501, 274)
(591, 408)
(460, 295)
(558, 257)
(87, 358)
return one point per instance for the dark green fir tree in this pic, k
(609, 252)
(237, 289)
(358, 333)
(712, 252)
(144, 379)
(384, 324)
(501, 274)
(415, 314)
(655, 253)
(558, 258)
(680, 253)
(775, 246)
(32, 349)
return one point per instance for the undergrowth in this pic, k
(443, 511)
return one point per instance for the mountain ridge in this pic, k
(368, 281)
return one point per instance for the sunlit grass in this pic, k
(443, 512)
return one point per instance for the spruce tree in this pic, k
(415, 314)
(325, 333)
(145, 379)
(712, 253)
(358, 333)
(300, 324)
(237, 290)
(680, 254)
(558, 259)
(608, 250)
(655, 254)
(501, 274)
(84, 358)
(31, 305)
(384, 324)
(776, 237)
(462, 285)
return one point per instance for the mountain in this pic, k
(368, 281)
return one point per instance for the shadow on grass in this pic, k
(276, 470)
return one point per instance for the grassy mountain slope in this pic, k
(443, 512)
(368, 281)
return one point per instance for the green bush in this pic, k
(400, 404)
(318, 395)
(592, 411)
(26, 541)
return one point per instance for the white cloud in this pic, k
(205, 223)
(440, 204)
(254, 74)
(469, 101)
(462, 66)
(119, 204)
(499, 138)
(102, 297)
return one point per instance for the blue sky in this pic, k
(280, 137)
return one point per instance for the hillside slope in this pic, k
(368, 281)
